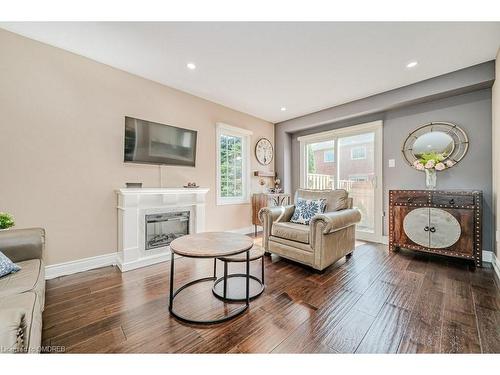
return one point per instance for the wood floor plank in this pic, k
(348, 334)
(489, 329)
(313, 334)
(423, 332)
(386, 331)
(426, 303)
(460, 331)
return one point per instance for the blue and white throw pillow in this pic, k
(7, 266)
(305, 209)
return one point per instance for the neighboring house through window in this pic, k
(233, 163)
(329, 156)
(358, 153)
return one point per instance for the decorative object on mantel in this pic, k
(264, 151)
(277, 183)
(266, 200)
(434, 147)
(6, 220)
(441, 222)
(263, 174)
(191, 185)
(133, 185)
(262, 184)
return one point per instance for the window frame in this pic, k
(246, 138)
(359, 147)
(358, 177)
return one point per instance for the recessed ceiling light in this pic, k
(283, 109)
(412, 64)
(191, 66)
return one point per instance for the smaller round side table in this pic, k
(231, 286)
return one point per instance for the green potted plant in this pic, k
(6, 220)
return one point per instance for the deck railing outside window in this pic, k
(361, 191)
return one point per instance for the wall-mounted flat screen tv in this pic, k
(153, 143)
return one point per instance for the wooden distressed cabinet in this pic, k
(442, 222)
(266, 200)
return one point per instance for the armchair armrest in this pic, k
(336, 220)
(270, 215)
(22, 244)
(278, 213)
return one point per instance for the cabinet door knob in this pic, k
(409, 200)
(432, 229)
(452, 201)
(426, 229)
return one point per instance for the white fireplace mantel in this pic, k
(135, 204)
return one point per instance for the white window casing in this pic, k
(246, 139)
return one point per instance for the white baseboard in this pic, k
(495, 262)
(62, 269)
(487, 256)
(245, 230)
(142, 262)
(112, 259)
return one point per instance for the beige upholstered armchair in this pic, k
(327, 238)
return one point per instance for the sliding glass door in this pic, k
(351, 159)
(320, 165)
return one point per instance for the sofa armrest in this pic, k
(270, 215)
(22, 244)
(336, 220)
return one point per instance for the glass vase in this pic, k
(430, 179)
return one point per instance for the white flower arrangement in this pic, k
(432, 161)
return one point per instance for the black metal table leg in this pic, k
(225, 279)
(171, 296)
(262, 279)
(248, 277)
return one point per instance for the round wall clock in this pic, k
(264, 151)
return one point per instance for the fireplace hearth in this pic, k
(162, 229)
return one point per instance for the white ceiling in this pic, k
(258, 68)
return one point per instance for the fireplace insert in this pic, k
(161, 229)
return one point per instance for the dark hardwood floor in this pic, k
(373, 302)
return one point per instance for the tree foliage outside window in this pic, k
(231, 166)
(311, 164)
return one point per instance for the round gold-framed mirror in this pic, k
(442, 142)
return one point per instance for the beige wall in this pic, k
(495, 103)
(61, 145)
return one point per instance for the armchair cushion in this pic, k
(291, 231)
(305, 209)
(335, 199)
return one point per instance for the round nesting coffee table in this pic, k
(230, 287)
(209, 245)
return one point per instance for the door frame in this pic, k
(377, 128)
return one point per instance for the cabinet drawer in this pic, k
(411, 198)
(452, 200)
